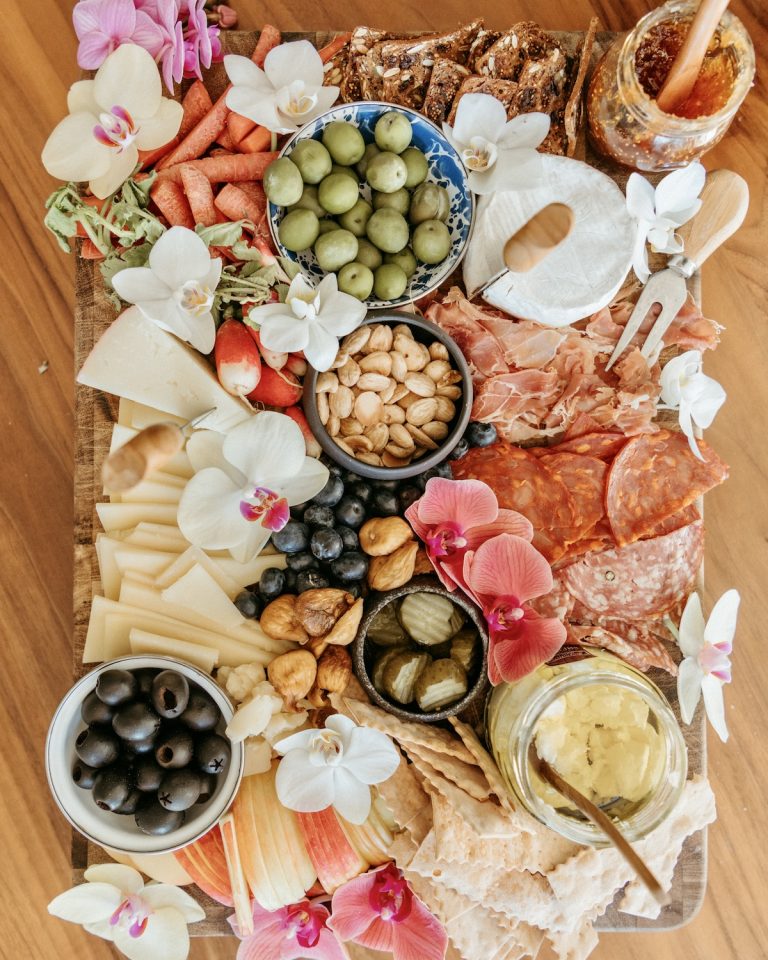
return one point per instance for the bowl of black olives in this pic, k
(137, 755)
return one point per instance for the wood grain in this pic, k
(36, 479)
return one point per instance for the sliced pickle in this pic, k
(379, 665)
(464, 648)
(401, 674)
(385, 629)
(443, 682)
(429, 618)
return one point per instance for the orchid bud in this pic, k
(227, 16)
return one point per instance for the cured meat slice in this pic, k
(558, 603)
(653, 477)
(682, 518)
(585, 479)
(641, 581)
(522, 483)
(602, 445)
(636, 645)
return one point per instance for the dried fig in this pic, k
(383, 535)
(388, 572)
(318, 610)
(279, 620)
(346, 628)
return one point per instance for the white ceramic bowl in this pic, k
(121, 832)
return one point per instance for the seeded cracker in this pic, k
(485, 761)
(523, 41)
(444, 84)
(468, 778)
(503, 90)
(482, 42)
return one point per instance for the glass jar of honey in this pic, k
(625, 122)
(605, 728)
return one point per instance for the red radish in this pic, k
(276, 388)
(238, 363)
(271, 357)
(297, 415)
(268, 257)
(297, 364)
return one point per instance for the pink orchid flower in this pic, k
(502, 575)
(297, 931)
(167, 15)
(454, 517)
(227, 16)
(198, 49)
(380, 911)
(103, 25)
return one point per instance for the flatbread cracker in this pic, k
(484, 816)
(404, 796)
(485, 761)
(574, 946)
(444, 84)
(470, 779)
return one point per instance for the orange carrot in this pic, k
(196, 103)
(254, 190)
(148, 158)
(202, 135)
(256, 142)
(269, 38)
(244, 166)
(225, 140)
(221, 152)
(329, 51)
(199, 194)
(89, 250)
(170, 200)
(237, 205)
(239, 127)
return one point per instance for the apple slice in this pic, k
(205, 861)
(240, 892)
(333, 856)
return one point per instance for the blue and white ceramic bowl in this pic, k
(445, 169)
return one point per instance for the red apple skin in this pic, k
(297, 415)
(332, 855)
(205, 862)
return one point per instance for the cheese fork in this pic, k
(725, 199)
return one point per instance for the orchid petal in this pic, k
(371, 756)
(326, 948)
(640, 198)
(126, 879)
(258, 107)
(291, 61)
(378, 936)
(302, 786)
(303, 740)
(308, 482)
(179, 256)
(479, 115)
(341, 314)
(640, 254)
(321, 348)
(160, 128)
(509, 566)
(515, 169)
(199, 331)
(123, 164)
(709, 400)
(88, 903)
(479, 182)
(102, 928)
(136, 284)
(159, 895)
(351, 912)
(344, 726)
(265, 447)
(205, 449)
(467, 503)
(80, 98)
(712, 691)
(508, 521)
(326, 97)
(255, 539)
(689, 681)
(209, 511)
(420, 937)
(691, 629)
(165, 938)
(243, 72)
(526, 130)
(129, 77)
(72, 152)
(352, 797)
(679, 190)
(281, 332)
(721, 625)
(537, 640)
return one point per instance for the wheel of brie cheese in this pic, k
(582, 274)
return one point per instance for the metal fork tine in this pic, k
(650, 295)
(671, 302)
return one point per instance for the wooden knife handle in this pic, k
(149, 450)
(536, 238)
(725, 199)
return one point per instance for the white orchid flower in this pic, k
(144, 922)
(334, 767)
(707, 666)
(660, 212)
(311, 319)
(286, 94)
(499, 154)
(245, 482)
(176, 290)
(696, 397)
(111, 118)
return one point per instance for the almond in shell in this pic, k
(393, 570)
(383, 535)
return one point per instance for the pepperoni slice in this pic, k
(584, 478)
(652, 478)
(629, 641)
(640, 581)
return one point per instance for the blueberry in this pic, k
(360, 489)
(272, 583)
(353, 589)
(460, 450)
(249, 604)
(349, 477)
(350, 567)
(480, 434)
(384, 503)
(290, 581)
(407, 495)
(350, 511)
(326, 544)
(443, 471)
(311, 580)
(297, 511)
(334, 468)
(348, 538)
(298, 562)
(318, 516)
(386, 484)
(331, 493)
(293, 538)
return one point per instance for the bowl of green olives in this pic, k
(376, 194)
(421, 652)
(137, 755)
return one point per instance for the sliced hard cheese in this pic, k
(200, 593)
(118, 516)
(151, 491)
(177, 466)
(152, 643)
(156, 536)
(117, 558)
(184, 563)
(136, 359)
(139, 415)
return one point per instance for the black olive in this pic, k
(94, 710)
(154, 819)
(149, 774)
(144, 679)
(83, 775)
(207, 787)
(212, 754)
(131, 805)
(174, 750)
(201, 713)
(179, 790)
(137, 721)
(170, 694)
(112, 787)
(97, 746)
(116, 686)
(137, 748)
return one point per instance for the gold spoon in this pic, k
(686, 67)
(599, 818)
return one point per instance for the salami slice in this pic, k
(635, 644)
(557, 603)
(682, 518)
(598, 444)
(652, 478)
(640, 581)
(522, 483)
(585, 479)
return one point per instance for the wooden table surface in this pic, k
(36, 462)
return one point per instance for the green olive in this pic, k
(429, 202)
(393, 131)
(308, 201)
(355, 220)
(370, 152)
(389, 281)
(327, 225)
(336, 248)
(298, 230)
(356, 279)
(431, 241)
(312, 159)
(417, 165)
(282, 182)
(388, 230)
(337, 193)
(404, 259)
(347, 171)
(400, 200)
(344, 142)
(386, 172)
(367, 254)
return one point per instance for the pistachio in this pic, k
(422, 411)
(383, 535)
(420, 384)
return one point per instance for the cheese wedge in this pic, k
(155, 536)
(139, 415)
(184, 563)
(198, 592)
(150, 491)
(116, 558)
(153, 644)
(134, 358)
(118, 516)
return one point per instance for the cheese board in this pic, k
(387, 608)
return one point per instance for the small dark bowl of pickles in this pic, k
(421, 652)
(137, 755)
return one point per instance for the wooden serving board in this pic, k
(96, 413)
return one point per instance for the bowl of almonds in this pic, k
(396, 400)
